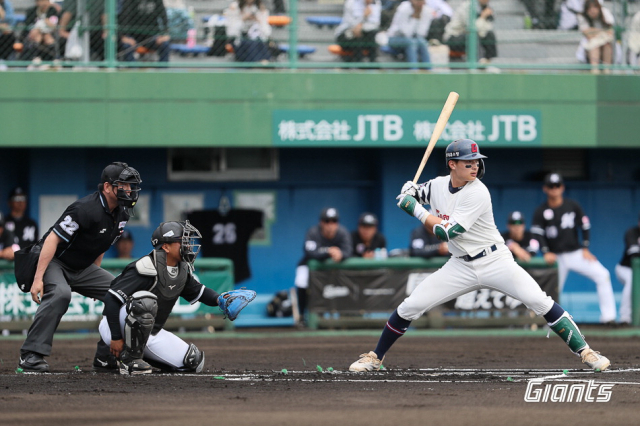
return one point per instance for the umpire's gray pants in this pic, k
(59, 282)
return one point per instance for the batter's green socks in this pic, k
(569, 332)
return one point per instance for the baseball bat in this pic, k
(447, 109)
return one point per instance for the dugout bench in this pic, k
(361, 293)
(17, 308)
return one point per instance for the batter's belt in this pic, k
(483, 253)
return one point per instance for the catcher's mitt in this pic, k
(232, 302)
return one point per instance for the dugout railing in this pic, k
(17, 308)
(99, 33)
(361, 293)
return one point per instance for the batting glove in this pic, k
(410, 188)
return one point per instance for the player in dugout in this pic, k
(462, 215)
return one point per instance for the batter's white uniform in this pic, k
(471, 208)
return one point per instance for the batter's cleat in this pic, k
(33, 362)
(135, 367)
(594, 360)
(107, 364)
(367, 362)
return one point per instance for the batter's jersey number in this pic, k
(224, 233)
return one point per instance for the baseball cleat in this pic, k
(135, 367)
(594, 360)
(367, 362)
(33, 362)
(107, 364)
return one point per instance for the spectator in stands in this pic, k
(8, 242)
(23, 227)
(543, 13)
(356, 34)
(143, 23)
(327, 240)
(248, 25)
(634, 40)
(38, 37)
(596, 24)
(97, 20)
(409, 28)
(521, 242)
(7, 22)
(569, 11)
(455, 33)
(624, 273)
(367, 239)
(124, 245)
(426, 245)
(442, 14)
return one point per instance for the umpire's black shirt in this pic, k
(87, 228)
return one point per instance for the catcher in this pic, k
(141, 298)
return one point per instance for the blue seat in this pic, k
(322, 21)
(301, 49)
(19, 17)
(183, 50)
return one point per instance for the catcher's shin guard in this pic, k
(142, 308)
(193, 359)
(568, 331)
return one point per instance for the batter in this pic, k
(461, 215)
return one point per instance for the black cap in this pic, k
(368, 219)
(553, 179)
(17, 194)
(126, 235)
(330, 213)
(515, 218)
(114, 172)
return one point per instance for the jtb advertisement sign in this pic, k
(403, 128)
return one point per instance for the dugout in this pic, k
(584, 124)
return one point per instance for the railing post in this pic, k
(293, 34)
(110, 47)
(472, 36)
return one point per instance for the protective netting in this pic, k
(418, 34)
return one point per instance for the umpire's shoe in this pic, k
(367, 362)
(33, 362)
(105, 364)
(135, 367)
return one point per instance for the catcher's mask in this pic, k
(118, 174)
(178, 232)
(465, 149)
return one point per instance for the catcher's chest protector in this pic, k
(166, 286)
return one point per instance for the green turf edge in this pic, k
(271, 333)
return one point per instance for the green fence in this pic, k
(302, 34)
(17, 308)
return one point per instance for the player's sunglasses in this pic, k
(554, 185)
(330, 220)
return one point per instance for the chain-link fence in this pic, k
(413, 34)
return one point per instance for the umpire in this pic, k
(71, 255)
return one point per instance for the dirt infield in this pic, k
(461, 380)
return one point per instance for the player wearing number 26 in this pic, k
(71, 255)
(461, 214)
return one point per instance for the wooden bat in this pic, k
(447, 109)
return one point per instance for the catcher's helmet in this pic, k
(117, 173)
(465, 149)
(178, 232)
